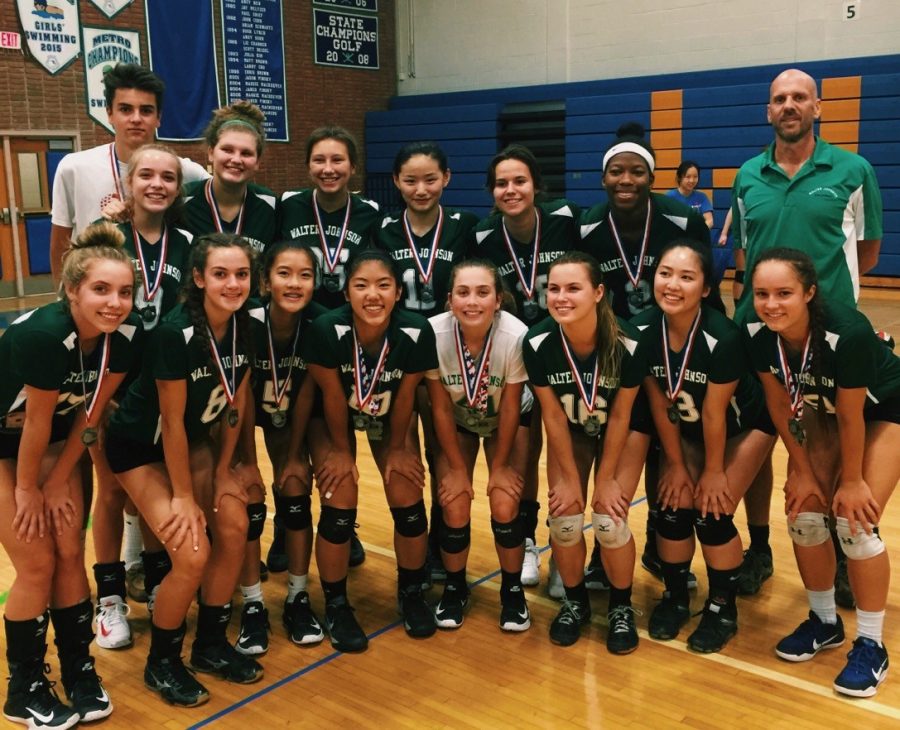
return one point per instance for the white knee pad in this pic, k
(860, 546)
(566, 531)
(809, 529)
(609, 533)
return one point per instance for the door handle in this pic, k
(5, 217)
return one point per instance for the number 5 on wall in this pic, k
(851, 9)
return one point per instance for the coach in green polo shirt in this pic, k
(804, 193)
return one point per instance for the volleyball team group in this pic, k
(201, 311)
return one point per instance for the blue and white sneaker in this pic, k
(809, 638)
(867, 667)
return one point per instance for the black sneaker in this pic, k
(263, 571)
(418, 618)
(301, 623)
(514, 614)
(717, 625)
(667, 618)
(652, 564)
(254, 637)
(450, 611)
(357, 551)
(84, 689)
(756, 569)
(276, 558)
(174, 682)
(595, 576)
(224, 661)
(843, 593)
(565, 629)
(346, 634)
(622, 637)
(32, 701)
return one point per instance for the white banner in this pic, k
(51, 32)
(103, 49)
(111, 8)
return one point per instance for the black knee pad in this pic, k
(410, 521)
(256, 520)
(508, 534)
(675, 524)
(296, 512)
(336, 525)
(455, 539)
(712, 531)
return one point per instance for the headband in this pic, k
(241, 123)
(639, 150)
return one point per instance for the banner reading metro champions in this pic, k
(103, 49)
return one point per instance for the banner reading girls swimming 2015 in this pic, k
(182, 52)
(51, 31)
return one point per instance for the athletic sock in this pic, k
(528, 514)
(869, 624)
(675, 576)
(822, 604)
(619, 597)
(296, 585)
(759, 539)
(334, 589)
(252, 593)
(578, 594)
(132, 540)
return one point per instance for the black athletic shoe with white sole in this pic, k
(254, 637)
(224, 661)
(343, 628)
(301, 623)
(174, 682)
(84, 690)
(32, 701)
(451, 609)
(514, 614)
(418, 618)
(565, 629)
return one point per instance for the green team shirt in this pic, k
(40, 349)
(298, 222)
(669, 220)
(287, 364)
(451, 249)
(852, 356)
(559, 233)
(824, 210)
(412, 350)
(259, 224)
(547, 365)
(174, 352)
(717, 357)
(174, 268)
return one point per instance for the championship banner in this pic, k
(111, 8)
(103, 49)
(182, 51)
(51, 32)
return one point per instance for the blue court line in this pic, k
(331, 657)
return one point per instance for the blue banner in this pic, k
(182, 52)
(254, 60)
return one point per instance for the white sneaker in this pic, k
(531, 564)
(113, 631)
(555, 587)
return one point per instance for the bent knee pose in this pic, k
(521, 238)
(282, 401)
(368, 357)
(160, 251)
(171, 444)
(833, 391)
(61, 365)
(476, 393)
(586, 370)
(426, 239)
(715, 433)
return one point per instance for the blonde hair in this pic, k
(97, 242)
(173, 212)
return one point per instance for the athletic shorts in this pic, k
(888, 411)
(125, 454)
(10, 439)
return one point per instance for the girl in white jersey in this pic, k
(476, 393)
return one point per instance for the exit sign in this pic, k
(8, 39)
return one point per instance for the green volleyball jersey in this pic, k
(851, 356)
(418, 296)
(717, 356)
(547, 365)
(290, 369)
(174, 352)
(258, 220)
(669, 220)
(298, 221)
(558, 234)
(174, 269)
(40, 349)
(411, 350)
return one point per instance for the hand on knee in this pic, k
(610, 534)
(809, 529)
(862, 545)
(566, 530)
